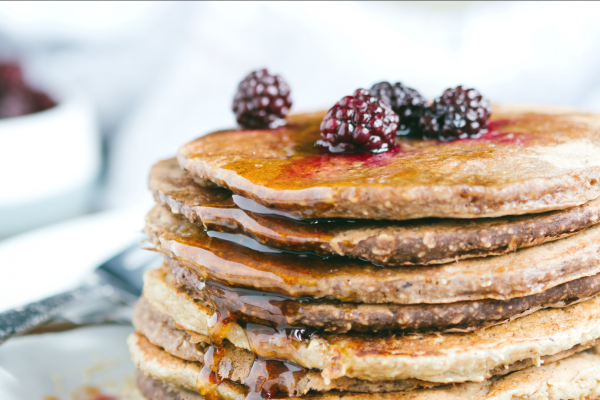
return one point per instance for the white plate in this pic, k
(37, 367)
(47, 261)
(54, 259)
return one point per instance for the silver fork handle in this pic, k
(23, 318)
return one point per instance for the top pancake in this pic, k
(532, 160)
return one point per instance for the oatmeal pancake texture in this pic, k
(575, 378)
(237, 364)
(434, 357)
(517, 274)
(335, 316)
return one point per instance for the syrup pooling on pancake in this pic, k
(268, 378)
(531, 162)
(235, 305)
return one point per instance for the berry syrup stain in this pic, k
(309, 166)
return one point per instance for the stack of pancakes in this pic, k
(467, 269)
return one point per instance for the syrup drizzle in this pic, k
(268, 377)
(249, 306)
(208, 380)
(272, 378)
(230, 305)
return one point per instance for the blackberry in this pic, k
(359, 123)
(263, 100)
(457, 114)
(405, 101)
(16, 98)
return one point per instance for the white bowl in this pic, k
(49, 165)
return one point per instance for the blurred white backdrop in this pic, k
(162, 73)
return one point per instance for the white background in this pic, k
(160, 74)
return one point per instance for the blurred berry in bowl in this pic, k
(50, 154)
(16, 98)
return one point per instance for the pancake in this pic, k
(162, 331)
(241, 367)
(433, 357)
(533, 160)
(237, 364)
(517, 274)
(334, 316)
(152, 389)
(574, 377)
(381, 242)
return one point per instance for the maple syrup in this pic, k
(263, 316)
(208, 378)
(268, 377)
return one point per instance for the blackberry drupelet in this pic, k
(359, 123)
(262, 101)
(405, 101)
(457, 114)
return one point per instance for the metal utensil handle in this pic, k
(20, 319)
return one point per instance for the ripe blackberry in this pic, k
(405, 101)
(457, 114)
(359, 123)
(262, 100)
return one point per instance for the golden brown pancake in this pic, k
(433, 357)
(518, 274)
(162, 331)
(575, 377)
(238, 364)
(334, 316)
(153, 389)
(381, 242)
(533, 160)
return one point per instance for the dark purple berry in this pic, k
(263, 100)
(457, 114)
(405, 101)
(11, 77)
(359, 123)
(16, 98)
